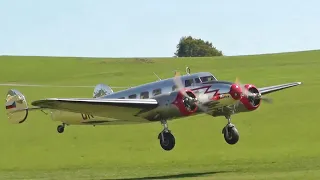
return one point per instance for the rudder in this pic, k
(16, 107)
(101, 90)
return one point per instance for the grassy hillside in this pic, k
(278, 141)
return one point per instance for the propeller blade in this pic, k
(177, 73)
(178, 82)
(244, 90)
(247, 93)
(198, 100)
(267, 100)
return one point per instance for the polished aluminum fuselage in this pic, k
(166, 109)
(166, 99)
(165, 85)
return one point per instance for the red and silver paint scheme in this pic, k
(159, 101)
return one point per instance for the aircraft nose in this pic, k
(235, 91)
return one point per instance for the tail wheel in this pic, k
(60, 129)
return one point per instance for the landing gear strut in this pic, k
(60, 128)
(167, 140)
(230, 132)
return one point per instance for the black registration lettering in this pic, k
(86, 116)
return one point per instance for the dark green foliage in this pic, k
(192, 47)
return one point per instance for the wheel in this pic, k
(232, 137)
(168, 141)
(60, 129)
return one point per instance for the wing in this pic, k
(270, 89)
(124, 109)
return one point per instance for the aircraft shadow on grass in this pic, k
(175, 176)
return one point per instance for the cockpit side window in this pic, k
(197, 80)
(188, 82)
(207, 78)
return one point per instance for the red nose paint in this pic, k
(235, 91)
(246, 102)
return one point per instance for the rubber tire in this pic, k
(60, 129)
(169, 141)
(234, 135)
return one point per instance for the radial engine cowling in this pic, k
(185, 101)
(250, 101)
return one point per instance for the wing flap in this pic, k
(270, 89)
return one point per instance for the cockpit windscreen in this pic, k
(207, 78)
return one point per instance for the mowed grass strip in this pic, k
(278, 141)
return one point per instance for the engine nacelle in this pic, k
(185, 102)
(249, 103)
(174, 104)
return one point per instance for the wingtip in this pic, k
(299, 83)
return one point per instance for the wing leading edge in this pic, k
(122, 109)
(270, 89)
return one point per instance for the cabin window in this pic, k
(207, 78)
(197, 80)
(174, 87)
(188, 82)
(156, 92)
(144, 95)
(133, 96)
(121, 97)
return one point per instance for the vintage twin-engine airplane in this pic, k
(158, 101)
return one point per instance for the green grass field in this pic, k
(278, 141)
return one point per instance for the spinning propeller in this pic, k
(197, 100)
(188, 100)
(251, 95)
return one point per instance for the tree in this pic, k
(192, 47)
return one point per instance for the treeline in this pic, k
(193, 47)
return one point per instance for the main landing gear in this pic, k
(231, 134)
(167, 140)
(60, 128)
